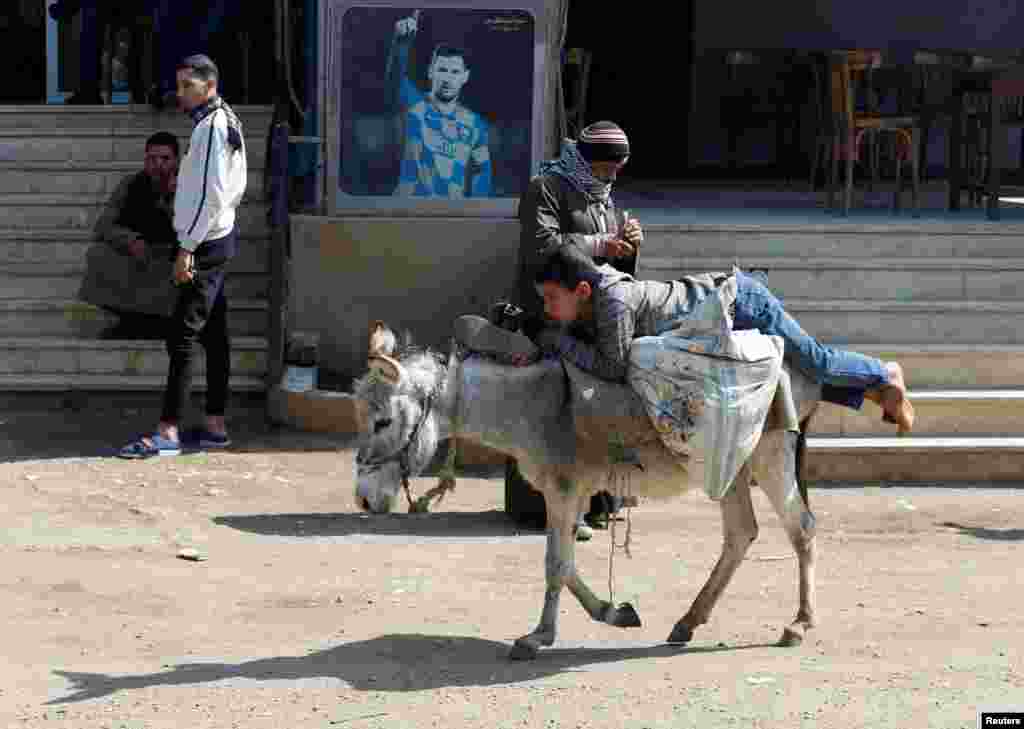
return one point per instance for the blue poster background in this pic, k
(500, 46)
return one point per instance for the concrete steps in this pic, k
(831, 240)
(953, 367)
(888, 322)
(149, 384)
(115, 118)
(45, 281)
(80, 211)
(944, 298)
(97, 145)
(58, 166)
(914, 460)
(88, 178)
(30, 358)
(70, 318)
(905, 279)
(940, 413)
(68, 246)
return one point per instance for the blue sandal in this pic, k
(203, 438)
(158, 446)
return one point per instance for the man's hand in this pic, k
(408, 26)
(183, 271)
(632, 232)
(618, 248)
(137, 248)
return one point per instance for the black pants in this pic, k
(201, 316)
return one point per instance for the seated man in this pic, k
(130, 270)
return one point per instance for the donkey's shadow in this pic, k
(401, 527)
(397, 662)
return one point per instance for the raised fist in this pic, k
(408, 26)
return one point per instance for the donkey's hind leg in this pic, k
(739, 530)
(774, 464)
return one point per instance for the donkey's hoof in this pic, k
(584, 533)
(681, 634)
(791, 637)
(523, 650)
(420, 506)
(626, 617)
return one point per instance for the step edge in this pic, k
(79, 343)
(823, 263)
(839, 443)
(53, 304)
(113, 383)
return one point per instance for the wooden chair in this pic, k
(977, 140)
(859, 129)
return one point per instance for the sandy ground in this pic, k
(309, 614)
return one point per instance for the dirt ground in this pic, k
(308, 614)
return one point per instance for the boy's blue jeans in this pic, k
(844, 375)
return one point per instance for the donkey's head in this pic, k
(403, 405)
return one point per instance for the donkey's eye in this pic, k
(382, 424)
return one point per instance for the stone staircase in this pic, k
(58, 165)
(944, 298)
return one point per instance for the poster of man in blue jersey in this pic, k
(446, 113)
(445, 151)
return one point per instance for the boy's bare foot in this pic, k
(892, 398)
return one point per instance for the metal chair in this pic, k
(857, 129)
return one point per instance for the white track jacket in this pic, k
(211, 182)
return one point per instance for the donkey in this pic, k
(416, 400)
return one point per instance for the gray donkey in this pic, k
(569, 434)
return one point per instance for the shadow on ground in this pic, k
(480, 524)
(401, 662)
(995, 535)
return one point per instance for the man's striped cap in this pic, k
(603, 142)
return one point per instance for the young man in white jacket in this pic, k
(211, 183)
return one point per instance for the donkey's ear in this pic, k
(382, 340)
(389, 369)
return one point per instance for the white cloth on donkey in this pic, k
(708, 389)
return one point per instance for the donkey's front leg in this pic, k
(739, 531)
(559, 569)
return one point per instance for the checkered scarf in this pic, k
(576, 171)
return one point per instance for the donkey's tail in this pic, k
(801, 455)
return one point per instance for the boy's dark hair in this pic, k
(201, 66)
(449, 51)
(164, 139)
(568, 266)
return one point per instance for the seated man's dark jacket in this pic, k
(116, 280)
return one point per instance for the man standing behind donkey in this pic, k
(211, 183)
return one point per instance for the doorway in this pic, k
(640, 78)
(63, 52)
(22, 49)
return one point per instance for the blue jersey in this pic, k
(441, 150)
